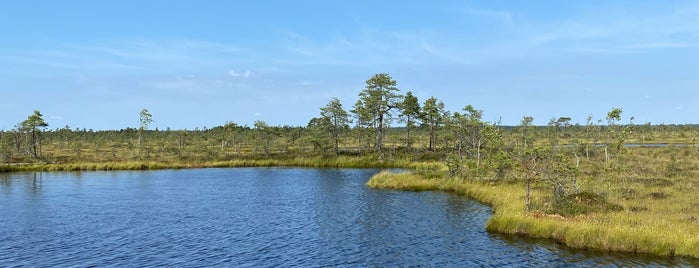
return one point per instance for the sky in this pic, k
(199, 64)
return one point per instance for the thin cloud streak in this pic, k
(129, 56)
(497, 15)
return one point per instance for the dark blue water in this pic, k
(257, 217)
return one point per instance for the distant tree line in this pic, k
(382, 124)
(381, 121)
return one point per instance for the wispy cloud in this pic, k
(176, 84)
(41, 61)
(174, 50)
(190, 86)
(307, 83)
(368, 48)
(624, 34)
(658, 45)
(615, 34)
(447, 54)
(116, 57)
(245, 74)
(570, 31)
(601, 49)
(498, 15)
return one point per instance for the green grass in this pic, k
(402, 181)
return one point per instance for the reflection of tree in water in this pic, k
(466, 212)
(456, 205)
(37, 182)
(77, 177)
(5, 180)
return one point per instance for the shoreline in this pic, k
(587, 231)
(312, 162)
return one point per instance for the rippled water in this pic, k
(258, 217)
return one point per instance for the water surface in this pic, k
(258, 217)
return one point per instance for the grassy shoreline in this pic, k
(317, 162)
(601, 231)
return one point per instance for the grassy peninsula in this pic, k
(636, 209)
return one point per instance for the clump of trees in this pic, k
(32, 128)
(376, 103)
(410, 115)
(334, 121)
(25, 138)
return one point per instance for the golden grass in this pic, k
(660, 230)
(335, 162)
(402, 181)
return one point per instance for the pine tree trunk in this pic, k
(431, 137)
(529, 189)
(478, 157)
(407, 138)
(337, 144)
(34, 143)
(379, 134)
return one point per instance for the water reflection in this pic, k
(456, 206)
(32, 182)
(35, 183)
(5, 180)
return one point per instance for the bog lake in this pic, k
(259, 217)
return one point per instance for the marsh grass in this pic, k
(334, 162)
(665, 226)
(583, 203)
(402, 181)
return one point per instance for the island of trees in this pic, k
(608, 184)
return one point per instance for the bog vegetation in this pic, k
(608, 183)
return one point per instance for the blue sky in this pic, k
(96, 64)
